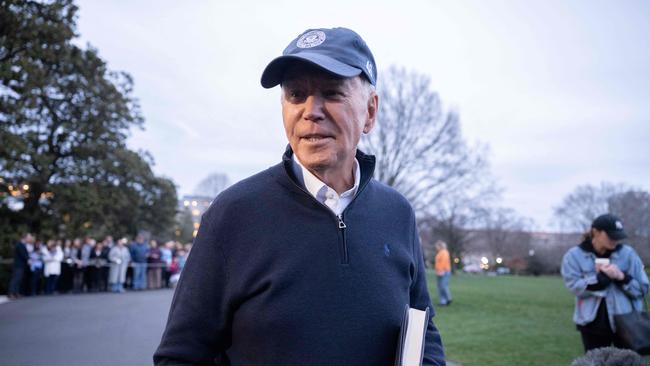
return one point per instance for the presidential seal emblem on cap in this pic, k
(311, 39)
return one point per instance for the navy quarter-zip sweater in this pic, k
(274, 278)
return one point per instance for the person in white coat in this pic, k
(52, 255)
(119, 258)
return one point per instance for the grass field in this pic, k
(507, 320)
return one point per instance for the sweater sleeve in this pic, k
(434, 354)
(198, 327)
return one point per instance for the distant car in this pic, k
(472, 268)
(503, 270)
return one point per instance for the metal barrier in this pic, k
(70, 261)
(6, 269)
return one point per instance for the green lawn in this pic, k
(507, 320)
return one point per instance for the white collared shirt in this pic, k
(322, 192)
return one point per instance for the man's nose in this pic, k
(314, 108)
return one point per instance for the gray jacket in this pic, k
(579, 271)
(119, 258)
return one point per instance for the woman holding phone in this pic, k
(607, 278)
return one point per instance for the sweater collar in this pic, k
(366, 165)
(316, 187)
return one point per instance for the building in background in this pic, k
(194, 207)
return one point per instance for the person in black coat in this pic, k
(21, 257)
(67, 268)
(98, 261)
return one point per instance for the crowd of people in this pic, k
(87, 265)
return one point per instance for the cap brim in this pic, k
(274, 71)
(617, 235)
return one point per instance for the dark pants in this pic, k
(104, 280)
(77, 280)
(165, 277)
(88, 278)
(36, 281)
(65, 281)
(97, 281)
(129, 277)
(16, 280)
(50, 284)
(598, 340)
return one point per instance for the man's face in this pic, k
(324, 117)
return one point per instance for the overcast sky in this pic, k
(559, 90)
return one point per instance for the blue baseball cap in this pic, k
(339, 51)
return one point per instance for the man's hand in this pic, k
(612, 271)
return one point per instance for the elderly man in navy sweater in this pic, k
(312, 261)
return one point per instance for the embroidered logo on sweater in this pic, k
(387, 250)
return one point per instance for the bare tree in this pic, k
(548, 256)
(633, 207)
(584, 204)
(451, 218)
(448, 226)
(419, 147)
(506, 234)
(212, 185)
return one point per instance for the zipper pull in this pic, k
(341, 223)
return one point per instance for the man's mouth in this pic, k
(315, 138)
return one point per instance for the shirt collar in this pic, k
(315, 186)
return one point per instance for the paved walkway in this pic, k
(85, 330)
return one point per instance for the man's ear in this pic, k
(373, 107)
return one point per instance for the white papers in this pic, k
(414, 328)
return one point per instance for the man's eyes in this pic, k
(333, 93)
(297, 95)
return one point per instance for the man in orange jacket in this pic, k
(443, 272)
